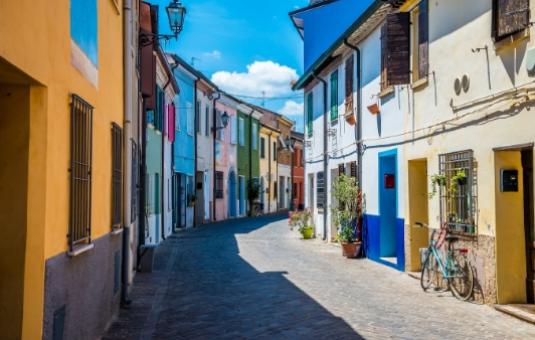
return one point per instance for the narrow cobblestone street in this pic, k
(257, 279)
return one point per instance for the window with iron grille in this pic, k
(80, 171)
(117, 175)
(134, 187)
(458, 194)
(219, 184)
(353, 169)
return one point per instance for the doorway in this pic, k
(242, 195)
(311, 192)
(199, 193)
(515, 249)
(388, 206)
(418, 212)
(232, 194)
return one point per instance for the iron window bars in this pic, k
(80, 172)
(458, 195)
(117, 175)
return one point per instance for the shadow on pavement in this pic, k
(202, 288)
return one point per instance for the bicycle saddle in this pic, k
(452, 238)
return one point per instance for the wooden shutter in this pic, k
(310, 113)
(353, 169)
(349, 85)
(423, 39)
(509, 17)
(395, 50)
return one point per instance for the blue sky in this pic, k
(246, 47)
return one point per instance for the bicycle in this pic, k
(451, 265)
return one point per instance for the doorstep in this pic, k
(520, 311)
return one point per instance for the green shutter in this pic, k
(334, 95)
(310, 113)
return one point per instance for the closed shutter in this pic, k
(353, 169)
(395, 50)
(509, 17)
(349, 85)
(310, 113)
(423, 39)
(320, 190)
(334, 95)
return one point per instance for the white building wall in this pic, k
(205, 151)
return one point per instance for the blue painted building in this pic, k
(184, 144)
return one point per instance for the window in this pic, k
(233, 130)
(189, 118)
(274, 151)
(275, 189)
(395, 46)
(198, 117)
(219, 178)
(134, 183)
(341, 169)
(175, 117)
(350, 62)
(254, 135)
(420, 40)
(80, 172)
(207, 121)
(334, 95)
(509, 17)
(218, 124)
(458, 197)
(241, 131)
(320, 190)
(262, 147)
(310, 113)
(117, 176)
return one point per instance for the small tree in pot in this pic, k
(347, 215)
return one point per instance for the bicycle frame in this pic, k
(446, 265)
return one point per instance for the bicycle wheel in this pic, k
(429, 272)
(462, 282)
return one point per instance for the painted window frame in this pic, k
(310, 113)
(334, 95)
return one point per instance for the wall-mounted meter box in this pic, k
(509, 180)
(390, 181)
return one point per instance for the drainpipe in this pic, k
(325, 153)
(195, 123)
(127, 154)
(270, 159)
(216, 96)
(358, 125)
(173, 68)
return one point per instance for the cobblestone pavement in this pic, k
(257, 279)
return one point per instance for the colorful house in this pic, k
(248, 157)
(269, 135)
(298, 172)
(226, 192)
(205, 99)
(61, 214)
(184, 145)
(284, 163)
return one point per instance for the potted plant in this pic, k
(350, 118)
(253, 193)
(294, 218)
(347, 214)
(306, 228)
(436, 181)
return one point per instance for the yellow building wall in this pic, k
(510, 237)
(35, 37)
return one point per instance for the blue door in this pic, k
(387, 204)
(242, 195)
(232, 194)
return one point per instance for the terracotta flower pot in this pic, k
(350, 118)
(351, 250)
(374, 108)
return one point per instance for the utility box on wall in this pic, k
(509, 180)
(390, 181)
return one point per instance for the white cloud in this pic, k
(292, 109)
(262, 76)
(215, 54)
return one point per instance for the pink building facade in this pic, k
(225, 177)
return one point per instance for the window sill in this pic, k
(80, 249)
(116, 231)
(419, 84)
(385, 92)
(511, 40)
